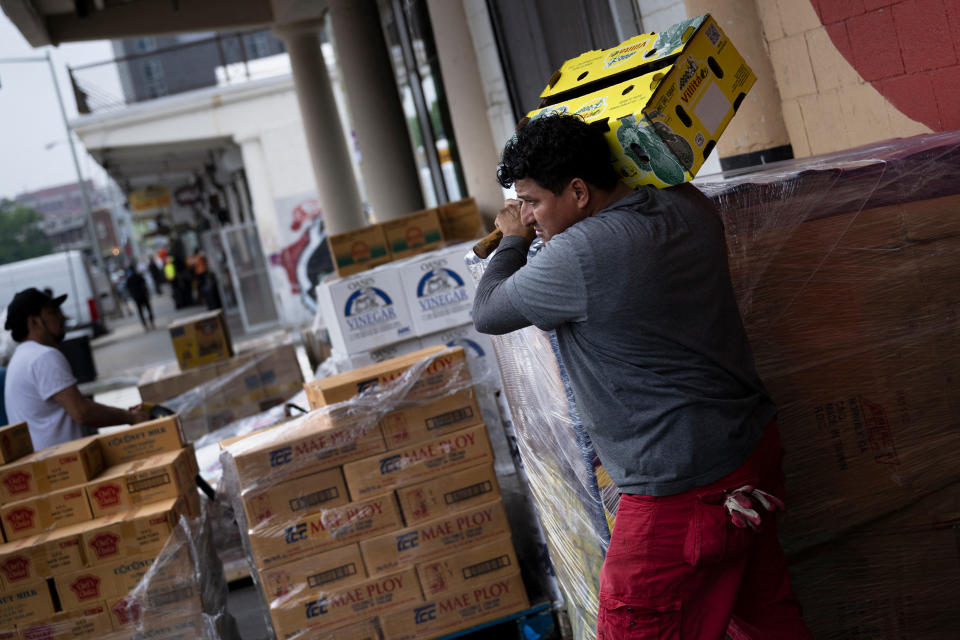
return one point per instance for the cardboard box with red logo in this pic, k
(142, 441)
(121, 487)
(200, 339)
(324, 530)
(29, 517)
(414, 233)
(25, 603)
(424, 421)
(448, 494)
(111, 581)
(418, 462)
(88, 623)
(335, 568)
(65, 465)
(15, 442)
(474, 565)
(290, 500)
(151, 609)
(300, 447)
(49, 554)
(336, 606)
(433, 538)
(443, 373)
(358, 250)
(132, 533)
(461, 220)
(457, 610)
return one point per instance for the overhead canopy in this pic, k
(44, 22)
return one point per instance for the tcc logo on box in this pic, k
(316, 608)
(425, 614)
(408, 541)
(296, 533)
(281, 456)
(390, 464)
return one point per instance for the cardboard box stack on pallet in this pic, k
(379, 511)
(83, 523)
(217, 391)
(421, 231)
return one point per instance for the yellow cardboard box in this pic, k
(414, 233)
(418, 462)
(25, 603)
(460, 220)
(88, 623)
(124, 486)
(448, 493)
(51, 553)
(454, 532)
(331, 569)
(170, 611)
(358, 250)
(58, 467)
(306, 445)
(457, 610)
(131, 533)
(29, 517)
(443, 372)
(15, 442)
(363, 630)
(662, 124)
(285, 501)
(337, 606)
(200, 339)
(424, 421)
(142, 441)
(330, 528)
(461, 570)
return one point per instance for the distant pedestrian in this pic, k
(137, 288)
(156, 274)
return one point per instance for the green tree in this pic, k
(20, 234)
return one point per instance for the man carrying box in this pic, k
(40, 388)
(637, 287)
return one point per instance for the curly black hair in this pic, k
(553, 150)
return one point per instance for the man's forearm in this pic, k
(101, 415)
(493, 312)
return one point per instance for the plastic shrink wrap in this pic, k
(178, 593)
(847, 273)
(382, 511)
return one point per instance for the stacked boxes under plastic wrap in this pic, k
(83, 522)
(391, 526)
(215, 394)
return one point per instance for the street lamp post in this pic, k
(91, 229)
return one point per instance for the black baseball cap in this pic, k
(29, 302)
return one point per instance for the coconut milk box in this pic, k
(438, 288)
(365, 311)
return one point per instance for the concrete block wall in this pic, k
(843, 73)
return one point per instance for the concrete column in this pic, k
(758, 125)
(465, 94)
(390, 176)
(336, 186)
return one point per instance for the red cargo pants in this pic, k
(677, 567)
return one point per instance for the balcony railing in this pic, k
(222, 59)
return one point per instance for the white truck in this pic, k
(88, 291)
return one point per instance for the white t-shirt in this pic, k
(37, 372)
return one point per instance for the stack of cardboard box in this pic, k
(383, 509)
(83, 523)
(226, 390)
(377, 244)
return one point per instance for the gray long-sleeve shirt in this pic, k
(649, 331)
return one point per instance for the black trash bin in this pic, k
(76, 347)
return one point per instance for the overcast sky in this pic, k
(30, 118)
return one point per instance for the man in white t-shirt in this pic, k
(40, 388)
